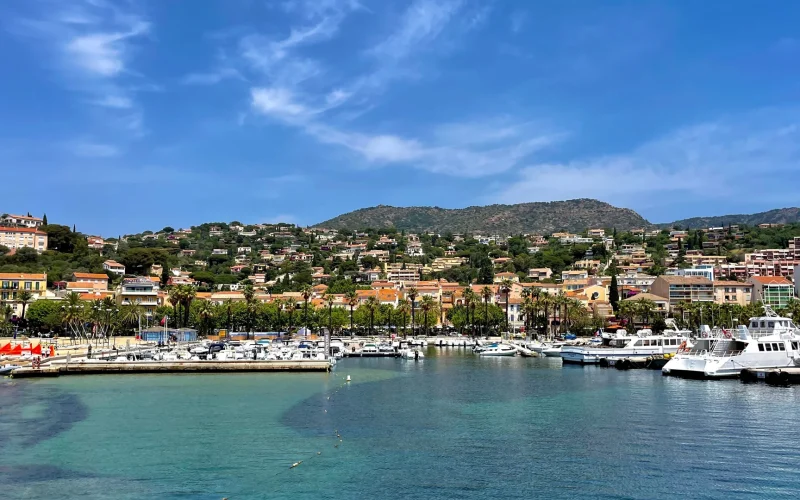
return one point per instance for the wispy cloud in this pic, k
(723, 159)
(212, 77)
(89, 149)
(517, 20)
(91, 43)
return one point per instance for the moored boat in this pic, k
(770, 341)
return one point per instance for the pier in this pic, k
(134, 367)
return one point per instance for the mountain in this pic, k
(539, 217)
(777, 216)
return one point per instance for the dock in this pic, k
(134, 367)
(359, 354)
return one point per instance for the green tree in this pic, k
(412, 296)
(352, 301)
(486, 293)
(24, 297)
(613, 294)
(430, 310)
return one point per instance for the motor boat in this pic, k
(643, 345)
(8, 368)
(552, 350)
(414, 354)
(769, 341)
(497, 350)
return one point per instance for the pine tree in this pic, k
(44, 220)
(613, 294)
(73, 228)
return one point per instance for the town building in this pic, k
(703, 270)
(23, 237)
(662, 303)
(679, 289)
(95, 242)
(21, 221)
(500, 277)
(99, 281)
(12, 284)
(114, 267)
(141, 290)
(578, 274)
(774, 291)
(540, 273)
(733, 292)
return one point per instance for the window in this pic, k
(774, 346)
(37, 285)
(768, 347)
(770, 324)
(27, 285)
(782, 346)
(760, 347)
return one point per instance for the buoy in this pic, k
(296, 464)
(348, 378)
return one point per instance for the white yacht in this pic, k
(642, 345)
(497, 350)
(770, 341)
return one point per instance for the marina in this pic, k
(170, 452)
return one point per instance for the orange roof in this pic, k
(155, 279)
(22, 276)
(771, 280)
(732, 283)
(203, 295)
(21, 230)
(113, 263)
(84, 284)
(96, 295)
(90, 276)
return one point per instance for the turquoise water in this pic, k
(452, 426)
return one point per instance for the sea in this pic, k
(450, 426)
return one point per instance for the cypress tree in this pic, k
(44, 219)
(613, 294)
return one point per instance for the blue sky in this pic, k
(121, 116)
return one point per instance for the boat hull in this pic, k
(497, 353)
(715, 367)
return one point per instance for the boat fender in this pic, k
(783, 377)
(603, 362)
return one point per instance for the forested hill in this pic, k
(540, 217)
(777, 216)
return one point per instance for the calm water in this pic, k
(452, 426)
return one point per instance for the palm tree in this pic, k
(305, 291)
(175, 296)
(329, 299)
(372, 305)
(645, 308)
(562, 302)
(527, 312)
(486, 293)
(404, 308)
(205, 313)
(505, 287)
(188, 293)
(546, 301)
(469, 299)
(132, 315)
(352, 301)
(792, 310)
(412, 295)
(24, 297)
(428, 306)
(252, 306)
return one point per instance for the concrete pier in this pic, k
(124, 367)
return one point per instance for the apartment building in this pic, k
(23, 237)
(678, 289)
(95, 242)
(540, 273)
(98, 281)
(114, 267)
(141, 290)
(733, 292)
(20, 221)
(12, 284)
(399, 273)
(774, 291)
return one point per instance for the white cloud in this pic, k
(277, 102)
(92, 149)
(212, 77)
(722, 159)
(103, 53)
(518, 20)
(422, 23)
(92, 43)
(115, 101)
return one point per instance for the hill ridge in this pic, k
(531, 217)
